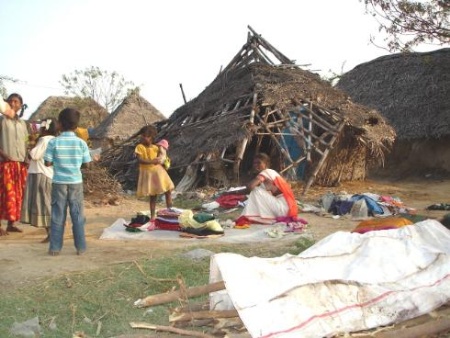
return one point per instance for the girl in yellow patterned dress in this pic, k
(153, 178)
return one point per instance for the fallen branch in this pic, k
(187, 316)
(140, 325)
(163, 298)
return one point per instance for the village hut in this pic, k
(263, 101)
(412, 91)
(91, 112)
(131, 115)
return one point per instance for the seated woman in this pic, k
(270, 195)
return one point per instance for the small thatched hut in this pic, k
(412, 91)
(131, 115)
(262, 101)
(91, 112)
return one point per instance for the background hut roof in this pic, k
(209, 121)
(411, 90)
(91, 112)
(131, 115)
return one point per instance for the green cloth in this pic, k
(202, 217)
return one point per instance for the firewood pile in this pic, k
(188, 318)
(100, 188)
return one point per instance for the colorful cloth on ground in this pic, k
(381, 224)
(230, 201)
(13, 177)
(153, 178)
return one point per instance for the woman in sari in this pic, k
(270, 197)
(13, 161)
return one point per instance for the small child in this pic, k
(36, 205)
(67, 153)
(162, 155)
(153, 178)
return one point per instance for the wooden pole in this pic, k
(182, 92)
(163, 298)
(141, 325)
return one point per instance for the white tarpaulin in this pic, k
(345, 282)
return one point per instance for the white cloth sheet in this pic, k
(345, 282)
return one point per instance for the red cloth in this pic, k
(230, 201)
(161, 225)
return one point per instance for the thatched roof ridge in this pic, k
(92, 113)
(201, 126)
(131, 115)
(411, 90)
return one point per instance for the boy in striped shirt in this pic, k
(67, 153)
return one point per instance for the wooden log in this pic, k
(168, 297)
(187, 316)
(142, 325)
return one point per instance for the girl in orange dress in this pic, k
(153, 178)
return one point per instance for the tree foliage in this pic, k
(106, 88)
(410, 23)
(3, 79)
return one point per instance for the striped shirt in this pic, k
(67, 152)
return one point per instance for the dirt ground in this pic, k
(23, 258)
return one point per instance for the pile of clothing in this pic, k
(361, 206)
(167, 219)
(199, 224)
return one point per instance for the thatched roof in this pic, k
(411, 90)
(257, 104)
(91, 112)
(279, 87)
(131, 115)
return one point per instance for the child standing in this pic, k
(162, 155)
(67, 153)
(36, 205)
(153, 178)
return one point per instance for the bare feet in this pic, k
(3, 232)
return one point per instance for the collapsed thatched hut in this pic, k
(412, 91)
(131, 115)
(91, 112)
(311, 130)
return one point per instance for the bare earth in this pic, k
(23, 258)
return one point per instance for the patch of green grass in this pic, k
(101, 303)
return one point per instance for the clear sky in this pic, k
(160, 44)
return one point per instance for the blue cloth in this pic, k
(372, 206)
(67, 152)
(67, 196)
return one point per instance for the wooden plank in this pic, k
(168, 297)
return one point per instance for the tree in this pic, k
(3, 91)
(410, 23)
(107, 88)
